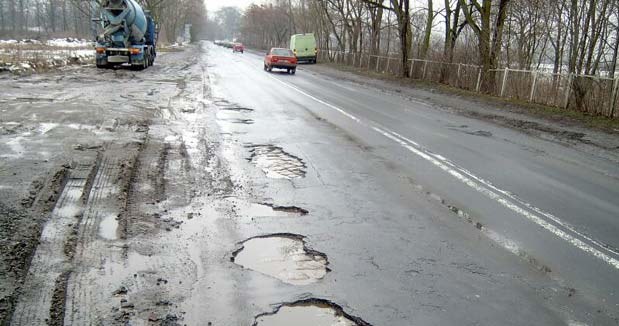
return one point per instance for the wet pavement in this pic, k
(205, 191)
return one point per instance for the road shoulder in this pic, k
(597, 135)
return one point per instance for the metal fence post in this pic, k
(369, 61)
(423, 74)
(533, 86)
(504, 81)
(387, 69)
(377, 61)
(410, 74)
(478, 86)
(458, 75)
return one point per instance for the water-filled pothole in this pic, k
(311, 312)
(283, 256)
(277, 163)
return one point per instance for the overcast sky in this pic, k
(214, 5)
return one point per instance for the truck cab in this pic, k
(129, 35)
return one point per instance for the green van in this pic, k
(304, 47)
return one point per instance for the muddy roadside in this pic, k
(595, 135)
(56, 130)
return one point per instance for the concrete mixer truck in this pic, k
(129, 35)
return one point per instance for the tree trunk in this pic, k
(428, 31)
(489, 47)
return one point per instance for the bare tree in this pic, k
(489, 31)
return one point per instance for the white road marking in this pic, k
(484, 187)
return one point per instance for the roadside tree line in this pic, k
(574, 36)
(41, 19)
(571, 37)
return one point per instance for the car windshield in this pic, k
(282, 52)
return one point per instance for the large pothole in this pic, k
(310, 312)
(283, 256)
(277, 163)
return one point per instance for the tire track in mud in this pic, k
(50, 261)
(99, 246)
(22, 241)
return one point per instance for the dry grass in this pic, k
(552, 113)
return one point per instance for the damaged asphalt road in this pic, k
(205, 191)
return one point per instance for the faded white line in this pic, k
(484, 187)
(511, 196)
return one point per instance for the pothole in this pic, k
(277, 163)
(225, 105)
(245, 208)
(288, 210)
(310, 312)
(236, 109)
(241, 121)
(482, 133)
(283, 256)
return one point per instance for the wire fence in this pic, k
(591, 94)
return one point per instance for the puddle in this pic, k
(108, 227)
(312, 312)
(276, 163)
(45, 127)
(283, 256)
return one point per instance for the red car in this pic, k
(282, 59)
(238, 47)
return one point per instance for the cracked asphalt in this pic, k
(206, 191)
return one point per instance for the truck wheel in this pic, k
(264, 66)
(269, 68)
(293, 71)
(104, 66)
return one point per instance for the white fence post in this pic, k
(458, 75)
(478, 86)
(425, 64)
(613, 98)
(410, 73)
(569, 89)
(533, 86)
(387, 69)
(377, 61)
(369, 61)
(504, 81)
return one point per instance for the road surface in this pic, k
(211, 192)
